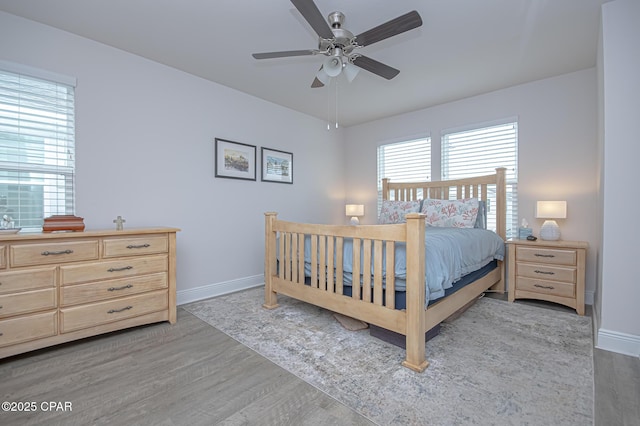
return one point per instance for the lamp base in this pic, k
(550, 231)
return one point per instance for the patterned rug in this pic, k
(499, 363)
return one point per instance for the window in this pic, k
(480, 151)
(408, 161)
(37, 147)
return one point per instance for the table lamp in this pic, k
(550, 210)
(354, 210)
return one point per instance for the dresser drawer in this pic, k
(99, 271)
(554, 288)
(28, 301)
(3, 257)
(117, 247)
(546, 255)
(93, 292)
(47, 253)
(547, 272)
(27, 328)
(85, 316)
(11, 282)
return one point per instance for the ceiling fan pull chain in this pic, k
(336, 102)
(329, 108)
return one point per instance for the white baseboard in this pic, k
(218, 289)
(622, 343)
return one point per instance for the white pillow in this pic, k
(451, 213)
(396, 211)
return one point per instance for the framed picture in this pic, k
(235, 160)
(277, 166)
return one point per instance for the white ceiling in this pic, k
(464, 47)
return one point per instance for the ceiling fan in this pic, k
(339, 45)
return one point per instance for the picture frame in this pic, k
(235, 160)
(277, 166)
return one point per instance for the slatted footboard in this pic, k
(285, 251)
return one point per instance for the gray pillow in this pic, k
(481, 219)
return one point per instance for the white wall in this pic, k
(144, 139)
(619, 317)
(557, 122)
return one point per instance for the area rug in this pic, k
(499, 363)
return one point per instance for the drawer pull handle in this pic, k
(120, 288)
(545, 255)
(115, 311)
(138, 246)
(119, 269)
(51, 253)
(548, 287)
(544, 272)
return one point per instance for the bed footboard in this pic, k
(300, 260)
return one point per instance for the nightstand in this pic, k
(547, 270)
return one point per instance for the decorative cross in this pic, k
(119, 221)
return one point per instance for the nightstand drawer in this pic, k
(24, 329)
(546, 272)
(546, 255)
(554, 288)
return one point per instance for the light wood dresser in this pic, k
(58, 287)
(548, 270)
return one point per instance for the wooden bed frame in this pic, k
(284, 241)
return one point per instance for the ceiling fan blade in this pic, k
(310, 12)
(375, 67)
(284, 54)
(395, 26)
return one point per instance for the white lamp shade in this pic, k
(322, 76)
(551, 210)
(332, 66)
(354, 210)
(350, 71)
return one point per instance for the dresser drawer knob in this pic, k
(545, 255)
(119, 269)
(548, 287)
(51, 253)
(115, 311)
(544, 272)
(124, 287)
(139, 246)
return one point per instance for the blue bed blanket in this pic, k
(451, 253)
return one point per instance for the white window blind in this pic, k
(408, 161)
(480, 151)
(37, 148)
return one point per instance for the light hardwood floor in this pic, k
(192, 374)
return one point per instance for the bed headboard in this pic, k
(476, 187)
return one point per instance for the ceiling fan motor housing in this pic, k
(343, 39)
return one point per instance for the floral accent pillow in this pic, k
(396, 211)
(451, 213)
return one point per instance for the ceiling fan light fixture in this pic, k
(322, 76)
(332, 66)
(350, 71)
